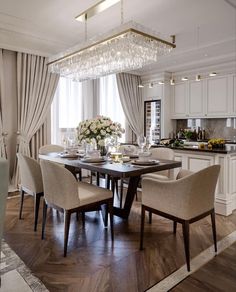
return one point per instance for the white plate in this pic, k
(68, 155)
(145, 162)
(93, 160)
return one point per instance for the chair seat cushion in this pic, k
(89, 194)
(155, 176)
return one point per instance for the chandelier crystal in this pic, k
(129, 47)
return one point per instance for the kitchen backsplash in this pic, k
(215, 128)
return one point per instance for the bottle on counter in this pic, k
(200, 134)
(203, 134)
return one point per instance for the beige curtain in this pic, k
(131, 100)
(2, 136)
(35, 90)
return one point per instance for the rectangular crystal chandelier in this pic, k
(128, 47)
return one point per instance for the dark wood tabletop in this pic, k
(124, 170)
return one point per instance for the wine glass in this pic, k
(148, 143)
(141, 140)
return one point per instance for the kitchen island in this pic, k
(194, 159)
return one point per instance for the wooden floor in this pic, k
(217, 275)
(93, 263)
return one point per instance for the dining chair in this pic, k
(45, 149)
(31, 183)
(65, 194)
(160, 153)
(185, 200)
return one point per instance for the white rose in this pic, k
(101, 142)
(87, 132)
(99, 137)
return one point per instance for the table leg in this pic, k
(132, 188)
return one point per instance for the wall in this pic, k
(215, 128)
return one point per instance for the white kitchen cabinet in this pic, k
(214, 97)
(225, 195)
(217, 97)
(179, 100)
(196, 99)
(234, 95)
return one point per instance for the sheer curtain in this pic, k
(109, 103)
(66, 110)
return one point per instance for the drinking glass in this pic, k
(148, 143)
(141, 140)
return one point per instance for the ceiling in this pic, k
(205, 29)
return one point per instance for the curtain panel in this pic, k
(35, 91)
(2, 134)
(131, 100)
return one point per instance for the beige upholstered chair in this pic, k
(161, 153)
(45, 149)
(185, 200)
(3, 195)
(31, 183)
(64, 193)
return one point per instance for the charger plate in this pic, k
(146, 162)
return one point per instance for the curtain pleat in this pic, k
(2, 134)
(131, 100)
(35, 90)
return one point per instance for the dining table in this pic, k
(131, 170)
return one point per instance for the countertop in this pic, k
(227, 149)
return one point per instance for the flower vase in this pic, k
(102, 149)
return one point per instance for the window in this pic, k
(73, 102)
(66, 110)
(110, 105)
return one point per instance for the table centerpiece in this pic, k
(98, 130)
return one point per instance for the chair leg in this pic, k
(213, 223)
(44, 218)
(106, 215)
(67, 215)
(80, 175)
(185, 227)
(110, 209)
(83, 218)
(174, 226)
(142, 227)
(91, 177)
(22, 194)
(116, 187)
(121, 191)
(97, 178)
(108, 178)
(150, 217)
(36, 210)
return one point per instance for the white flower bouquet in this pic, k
(98, 129)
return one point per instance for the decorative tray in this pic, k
(93, 160)
(145, 162)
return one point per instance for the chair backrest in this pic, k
(186, 197)
(60, 186)
(30, 174)
(3, 193)
(163, 153)
(50, 148)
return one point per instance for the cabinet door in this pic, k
(234, 95)
(196, 105)
(179, 100)
(197, 162)
(217, 97)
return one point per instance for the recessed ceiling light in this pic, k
(184, 78)
(150, 85)
(212, 74)
(172, 81)
(161, 82)
(197, 77)
(140, 85)
(205, 55)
